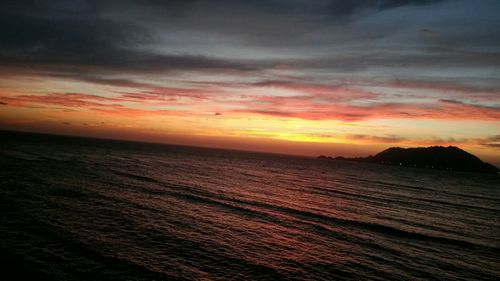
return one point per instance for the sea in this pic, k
(87, 209)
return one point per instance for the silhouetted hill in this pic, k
(434, 157)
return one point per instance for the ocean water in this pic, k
(82, 209)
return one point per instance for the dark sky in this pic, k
(341, 36)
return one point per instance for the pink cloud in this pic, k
(312, 102)
(83, 101)
(60, 99)
(134, 112)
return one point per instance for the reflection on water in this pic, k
(75, 209)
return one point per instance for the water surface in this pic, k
(82, 209)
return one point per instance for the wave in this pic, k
(182, 215)
(496, 200)
(206, 197)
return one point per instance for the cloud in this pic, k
(451, 101)
(136, 112)
(428, 32)
(433, 58)
(320, 92)
(88, 35)
(315, 60)
(109, 105)
(94, 41)
(376, 110)
(488, 92)
(102, 34)
(493, 110)
(62, 99)
(378, 139)
(116, 59)
(340, 8)
(145, 97)
(492, 141)
(310, 101)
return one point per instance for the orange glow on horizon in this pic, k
(297, 119)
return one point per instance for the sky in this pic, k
(301, 77)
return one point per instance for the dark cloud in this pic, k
(379, 139)
(388, 4)
(113, 33)
(69, 58)
(354, 61)
(309, 109)
(492, 141)
(96, 41)
(461, 103)
(451, 101)
(341, 9)
(84, 34)
(428, 32)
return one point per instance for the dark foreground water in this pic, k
(79, 209)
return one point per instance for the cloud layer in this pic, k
(358, 63)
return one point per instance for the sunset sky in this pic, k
(303, 77)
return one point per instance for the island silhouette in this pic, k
(433, 157)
